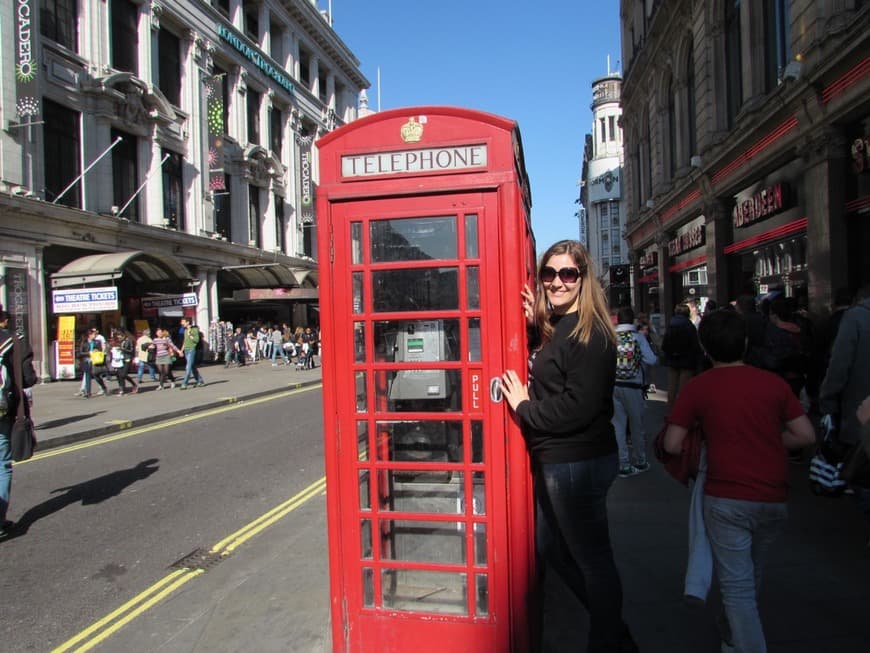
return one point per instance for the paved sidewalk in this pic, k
(816, 595)
(62, 418)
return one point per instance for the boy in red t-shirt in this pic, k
(749, 417)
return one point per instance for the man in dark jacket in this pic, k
(11, 395)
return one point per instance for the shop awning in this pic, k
(268, 275)
(141, 267)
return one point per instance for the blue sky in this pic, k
(529, 61)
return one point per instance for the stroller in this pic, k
(303, 357)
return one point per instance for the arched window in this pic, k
(691, 124)
(672, 128)
(733, 62)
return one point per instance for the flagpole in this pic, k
(141, 186)
(85, 171)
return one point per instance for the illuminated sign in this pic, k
(435, 159)
(255, 57)
(689, 239)
(761, 205)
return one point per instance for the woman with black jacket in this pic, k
(90, 371)
(681, 351)
(565, 413)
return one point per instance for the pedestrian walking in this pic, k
(681, 351)
(189, 345)
(14, 384)
(629, 395)
(277, 341)
(143, 346)
(165, 352)
(92, 364)
(565, 413)
(740, 409)
(120, 356)
(847, 380)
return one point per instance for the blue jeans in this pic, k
(278, 350)
(741, 534)
(190, 369)
(5, 467)
(141, 370)
(628, 409)
(572, 537)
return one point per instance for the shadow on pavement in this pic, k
(89, 492)
(66, 420)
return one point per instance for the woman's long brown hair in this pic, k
(593, 308)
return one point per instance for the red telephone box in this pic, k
(424, 246)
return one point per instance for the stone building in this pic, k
(157, 158)
(747, 127)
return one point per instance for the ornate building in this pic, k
(157, 158)
(746, 130)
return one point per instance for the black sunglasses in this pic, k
(566, 275)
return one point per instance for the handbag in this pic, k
(22, 437)
(682, 466)
(98, 357)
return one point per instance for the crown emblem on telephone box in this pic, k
(412, 131)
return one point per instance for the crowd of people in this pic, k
(746, 375)
(261, 342)
(125, 359)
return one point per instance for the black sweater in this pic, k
(571, 390)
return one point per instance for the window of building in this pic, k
(276, 130)
(125, 36)
(672, 128)
(255, 221)
(304, 68)
(777, 44)
(252, 21)
(61, 152)
(173, 191)
(125, 174)
(691, 125)
(280, 226)
(603, 130)
(647, 163)
(603, 212)
(611, 123)
(276, 40)
(169, 66)
(733, 62)
(222, 6)
(614, 213)
(637, 182)
(254, 100)
(222, 213)
(58, 21)
(322, 75)
(695, 276)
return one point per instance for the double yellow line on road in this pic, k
(114, 621)
(104, 628)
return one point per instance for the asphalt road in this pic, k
(104, 521)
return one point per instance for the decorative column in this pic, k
(824, 194)
(718, 235)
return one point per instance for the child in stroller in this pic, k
(303, 355)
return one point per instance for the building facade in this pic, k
(602, 196)
(746, 132)
(158, 158)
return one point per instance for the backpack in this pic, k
(628, 356)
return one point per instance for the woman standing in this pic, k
(120, 357)
(164, 349)
(565, 413)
